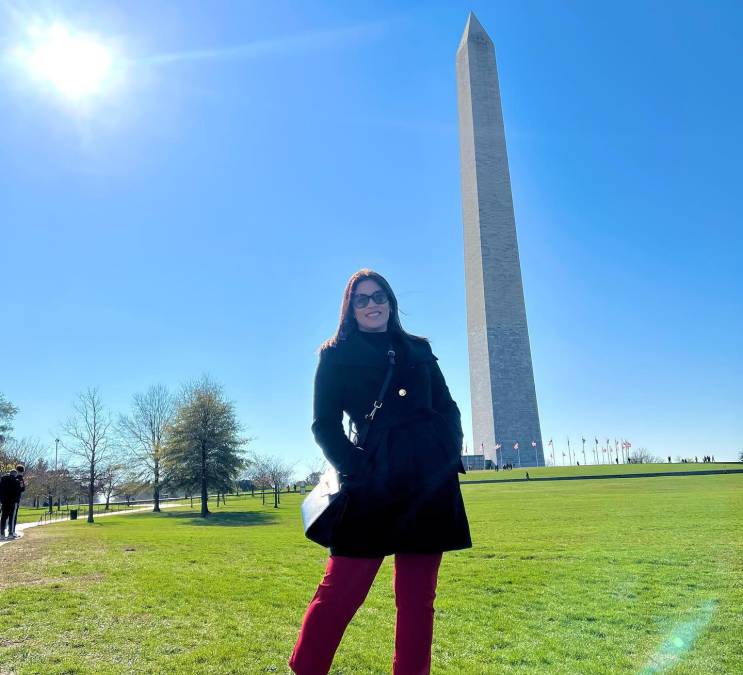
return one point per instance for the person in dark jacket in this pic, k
(11, 488)
(404, 496)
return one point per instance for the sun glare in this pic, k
(75, 64)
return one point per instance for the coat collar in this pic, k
(355, 351)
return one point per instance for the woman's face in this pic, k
(372, 318)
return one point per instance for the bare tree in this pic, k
(112, 479)
(317, 467)
(88, 438)
(642, 456)
(39, 474)
(26, 451)
(257, 471)
(66, 483)
(269, 471)
(143, 435)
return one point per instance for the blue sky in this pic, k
(203, 215)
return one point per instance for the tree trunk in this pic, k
(204, 483)
(156, 495)
(91, 491)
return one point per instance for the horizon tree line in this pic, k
(191, 441)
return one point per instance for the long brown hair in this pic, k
(348, 325)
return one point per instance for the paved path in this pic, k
(651, 474)
(24, 526)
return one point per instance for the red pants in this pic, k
(343, 590)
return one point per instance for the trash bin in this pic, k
(73, 514)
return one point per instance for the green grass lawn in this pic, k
(595, 469)
(611, 576)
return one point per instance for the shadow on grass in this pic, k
(228, 519)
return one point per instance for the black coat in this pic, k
(404, 494)
(11, 488)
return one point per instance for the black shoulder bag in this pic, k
(324, 506)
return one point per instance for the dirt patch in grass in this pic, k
(35, 547)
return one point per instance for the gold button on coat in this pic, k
(402, 392)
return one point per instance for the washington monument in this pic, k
(504, 399)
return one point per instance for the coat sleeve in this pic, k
(327, 424)
(445, 405)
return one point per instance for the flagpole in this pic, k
(584, 450)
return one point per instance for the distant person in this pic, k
(20, 477)
(393, 507)
(11, 488)
(527, 476)
(669, 459)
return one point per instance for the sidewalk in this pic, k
(19, 530)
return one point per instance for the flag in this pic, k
(497, 446)
(629, 445)
(603, 449)
(515, 446)
(597, 440)
(533, 444)
(550, 443)
(583, 439)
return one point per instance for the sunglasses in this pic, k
(361, 300)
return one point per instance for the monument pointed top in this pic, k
(473, 29)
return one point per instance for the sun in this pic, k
(75, 64)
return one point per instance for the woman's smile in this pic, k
(374, 316)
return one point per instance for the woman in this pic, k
(404, 496)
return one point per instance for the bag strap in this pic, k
(369, 417)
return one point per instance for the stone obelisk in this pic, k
(504, 399)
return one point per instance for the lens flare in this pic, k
(680, 641)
